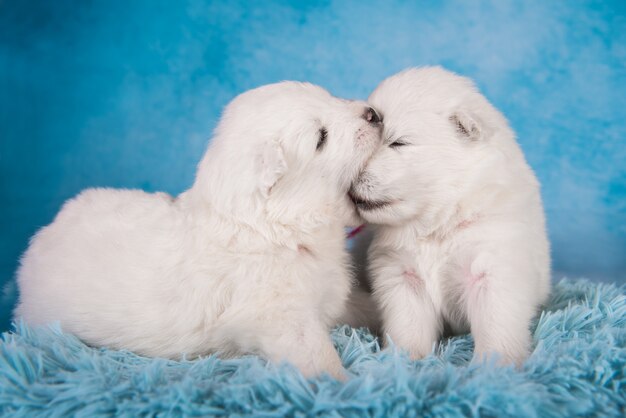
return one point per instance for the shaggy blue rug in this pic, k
(578, 368)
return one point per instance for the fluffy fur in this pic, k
(577, 370)
(251, 259)
(459, 237)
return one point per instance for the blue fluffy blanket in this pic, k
(578, 368)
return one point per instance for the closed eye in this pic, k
(321, 141)
(398, 143)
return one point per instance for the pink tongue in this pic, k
(355, 231)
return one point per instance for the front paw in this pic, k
(416, 345)
(338, 373)
(511, 355)
(419, 353)
(318, 366)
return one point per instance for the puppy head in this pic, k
(285, 150)
(440, 135)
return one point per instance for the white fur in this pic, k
(459, 238)
(251, 259)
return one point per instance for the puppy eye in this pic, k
(321, 141)
(398, 143)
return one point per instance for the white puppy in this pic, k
(459, 234)
(251, 259)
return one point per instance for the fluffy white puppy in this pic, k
(251, 259)
(459, 235)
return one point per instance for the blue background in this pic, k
(126, 94)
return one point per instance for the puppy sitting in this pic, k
(459, 238)
(251, 259)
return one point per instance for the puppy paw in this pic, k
(503, 356)
(418, 353)
(339, 374)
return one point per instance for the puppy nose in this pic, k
(372, 116)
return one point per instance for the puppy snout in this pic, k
(372, 116)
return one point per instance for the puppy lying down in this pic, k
(458, 238)
(251, 259)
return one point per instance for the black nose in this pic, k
(372, 116)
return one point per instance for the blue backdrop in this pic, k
(126, 94)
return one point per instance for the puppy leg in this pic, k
(409, 316)
(499, 313)
(307, 346)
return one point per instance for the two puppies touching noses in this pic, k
(252, 258)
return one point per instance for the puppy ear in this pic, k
(466, 126)
(272, 166)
